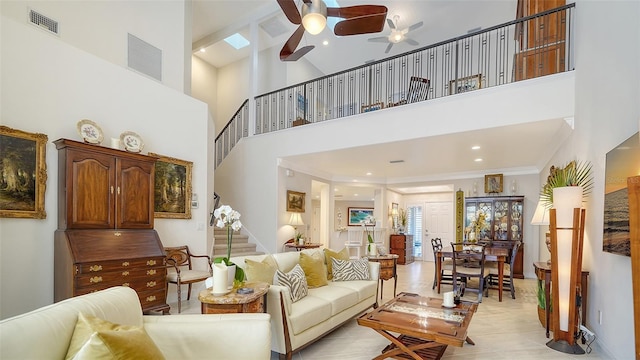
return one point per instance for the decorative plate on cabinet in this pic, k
(90, 131)
(131, 141)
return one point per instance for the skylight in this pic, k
(237, 41)
(332, 21)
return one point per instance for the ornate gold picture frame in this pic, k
(295, 201)
(172, 188)
(23, 167)
(493, 183)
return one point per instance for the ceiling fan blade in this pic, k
(290, 46)
(411, 42)
(298, 53)
(348, 12)
(290, 9)
(388, 48)
(365, 24)
(391, 24)
(379, 39)
(415, 26)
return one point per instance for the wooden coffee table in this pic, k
(236, 303)
(425, 328)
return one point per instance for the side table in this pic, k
(388, 269)
(234, 302)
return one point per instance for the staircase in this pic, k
(240, 245)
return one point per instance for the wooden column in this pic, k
(633, 186)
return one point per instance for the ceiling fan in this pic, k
(396, 34)
(312, 17)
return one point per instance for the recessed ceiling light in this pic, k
(237, 41)
(476, 147)
(368, 173)
(478, 160)
(203, 50)
(355, 180)
(325, 42)
(355, 194)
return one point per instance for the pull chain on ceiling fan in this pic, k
(359, 19)
(396, 34)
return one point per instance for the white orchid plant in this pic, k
(369, 220)
(228, 218)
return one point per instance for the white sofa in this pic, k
(295, 325)
(45, 333)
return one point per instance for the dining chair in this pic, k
(468, 263)
(492, 268)
(180, 270)
(446, 268)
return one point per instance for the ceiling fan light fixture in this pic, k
(396, 36)
(314, 16)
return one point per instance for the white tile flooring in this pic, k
(501, 330)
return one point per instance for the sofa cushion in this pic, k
(347, 270)
(340, 298)
(328, 254)
(261, 270)
(94, 338)
(287, 260)
(314, 269)
(364, 288)
(309, 312)
(295, 281)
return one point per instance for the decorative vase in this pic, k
(231, 275)
(373, 249)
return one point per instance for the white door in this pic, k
(438, 223)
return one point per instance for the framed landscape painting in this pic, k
(295, 201)
(621, 163)
(23, 174)
(172, 188)
(359, 216)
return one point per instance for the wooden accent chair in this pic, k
(418, 91)
(468, 264)
(446, 269)
(180, 270)
(507, 283)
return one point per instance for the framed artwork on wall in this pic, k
(23, 168)
(358, 216)
(493, 183)
(465, 84)
(295, 201)
(172, 188)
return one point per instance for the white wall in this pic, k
(47, 86)
(101, 27)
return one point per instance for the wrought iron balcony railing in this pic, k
(529, 47)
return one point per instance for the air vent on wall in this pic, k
(43, 22)
(144, 57)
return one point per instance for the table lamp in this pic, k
(295, 221)
(541, 217)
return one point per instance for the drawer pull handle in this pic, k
(95, 279)
(126, 263)
(95, 268)
(117, 233)
(118, 190)
(151, 262)
(125, 284)
(151, 284)
(151, 298)
(112, 189)
(151, 272)
(125, 273)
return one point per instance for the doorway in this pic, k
(428, 220)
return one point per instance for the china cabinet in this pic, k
(498, 219)
(105, 233)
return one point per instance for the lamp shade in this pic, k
(541, 216)
(296, 219)
(314, 16)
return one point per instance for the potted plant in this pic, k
(371, 244)
(573, 174)
(228, 218)
(402, 216)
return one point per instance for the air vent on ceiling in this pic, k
(144, 57)
(274, 27)
(43, 22)
(337, 195)
(396, 161)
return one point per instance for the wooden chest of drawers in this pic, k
(402, 245)
(92, 260)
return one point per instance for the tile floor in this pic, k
(501, 330)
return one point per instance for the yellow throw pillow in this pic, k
(261, 270)
(328, 254)
(314, 269)
(94, 338)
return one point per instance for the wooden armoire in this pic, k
(105, 233)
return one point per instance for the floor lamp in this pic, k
(566, 226)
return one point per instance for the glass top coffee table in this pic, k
(425, 328)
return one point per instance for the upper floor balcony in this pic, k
(526, 48)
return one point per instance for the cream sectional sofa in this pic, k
(46, 333)
(295, 325)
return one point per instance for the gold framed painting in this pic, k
(493, 183)
(23, 168)
(295, 201)
(465, 84)
(172, 188)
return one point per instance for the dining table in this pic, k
(491, 253)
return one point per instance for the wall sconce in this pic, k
(566, 220)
